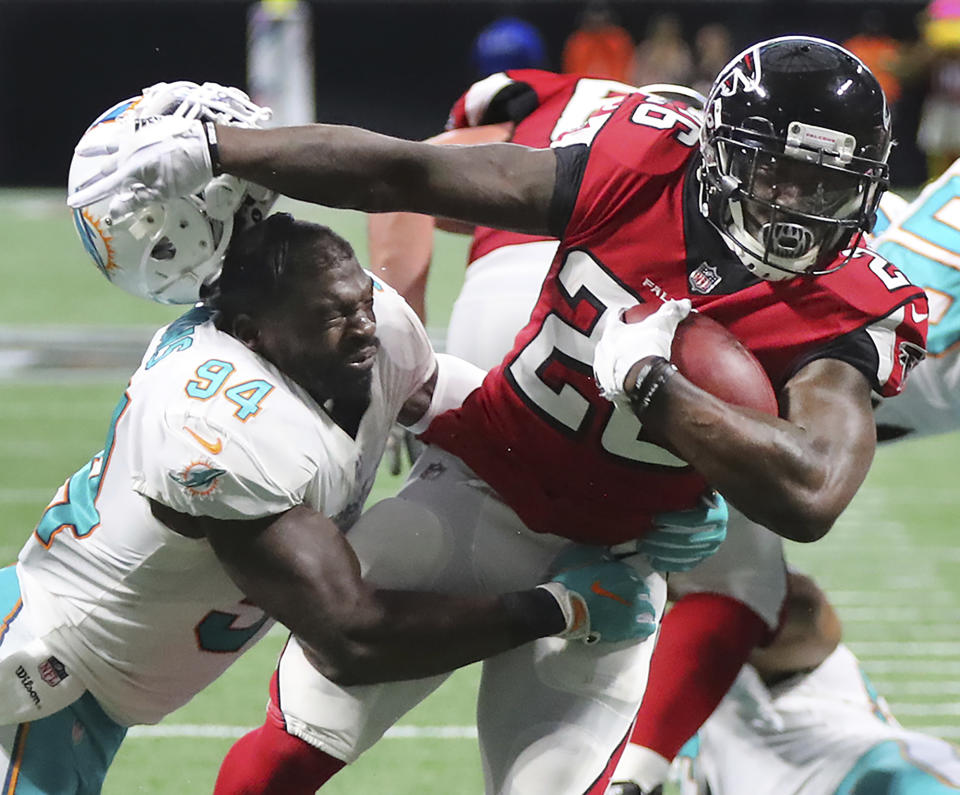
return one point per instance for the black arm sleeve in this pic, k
(855, 348)
(571, 163)
(513, 102)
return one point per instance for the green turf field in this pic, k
(890, 564)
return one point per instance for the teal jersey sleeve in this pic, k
(924, 242)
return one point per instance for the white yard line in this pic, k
(213, 731)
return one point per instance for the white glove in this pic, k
(164, 158)
(622, 345)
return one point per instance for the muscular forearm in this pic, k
(299, 568)
(406, 635)
(778, 472)
(501, 185)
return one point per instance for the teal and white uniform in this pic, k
(826, 732)
(143, 618)
(923, 240)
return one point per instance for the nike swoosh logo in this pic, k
(918, 316)
(599, 590)
(215, 447)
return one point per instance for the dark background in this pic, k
(395, 66)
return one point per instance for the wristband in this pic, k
(535, 612)
(649, 380)
(210, 135)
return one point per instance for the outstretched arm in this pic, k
(501, 185)
(401, 244)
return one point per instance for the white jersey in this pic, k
(923, 240)
(146, 617)
(804, 736)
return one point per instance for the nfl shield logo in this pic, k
(52, 671)
(704, 278)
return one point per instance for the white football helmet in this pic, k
(168, 251)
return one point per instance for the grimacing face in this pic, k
(323, 333)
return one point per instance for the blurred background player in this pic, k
(280, 60)
(663, 55)
(938, 134)
(598, 47)
(923, 239)
(803, 719)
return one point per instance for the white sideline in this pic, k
(232, 732)
(204, 731)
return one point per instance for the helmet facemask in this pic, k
(788, 196)
(794, 212)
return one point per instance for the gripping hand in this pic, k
(682, 539)
(604, 600)
(161, 158)
(622, 345)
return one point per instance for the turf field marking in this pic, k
(212, 731)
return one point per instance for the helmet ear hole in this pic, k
(164, 250)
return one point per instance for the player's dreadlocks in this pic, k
(267, 260)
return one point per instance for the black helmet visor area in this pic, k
(798, 202)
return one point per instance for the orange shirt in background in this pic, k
(602, 52)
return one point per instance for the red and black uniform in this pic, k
(512, 97)
(626, 209)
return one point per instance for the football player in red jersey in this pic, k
(756, 222)
(731, 601)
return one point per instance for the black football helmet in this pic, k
(795, 142)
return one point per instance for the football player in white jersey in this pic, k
(923, 239)
(242, 448)
(240, 452)
(803, 719)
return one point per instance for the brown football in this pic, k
(715, 360)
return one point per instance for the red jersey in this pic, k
(626, 209)
(562, 102)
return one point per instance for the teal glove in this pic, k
(603, 600)
(682, 539)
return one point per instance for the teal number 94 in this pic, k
(213, 374)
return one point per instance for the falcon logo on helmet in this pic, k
(743, 75)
